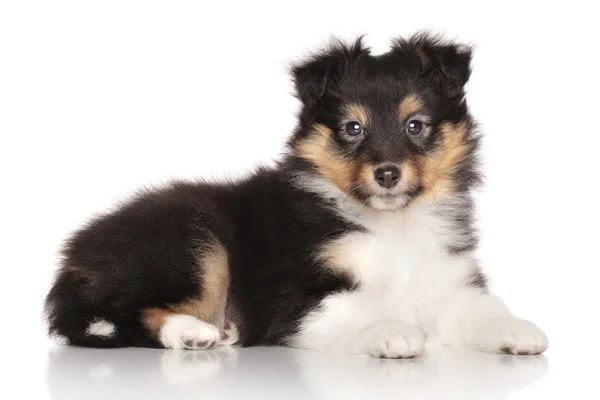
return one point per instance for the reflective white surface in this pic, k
(100, 98)
(280, 373)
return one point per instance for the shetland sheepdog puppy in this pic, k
(360, 240)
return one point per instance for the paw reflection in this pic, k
(230, 372)
(179, 366)
(459, 373)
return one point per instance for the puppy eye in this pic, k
(414, 127)
(354, 128)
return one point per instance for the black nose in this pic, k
(387, 175)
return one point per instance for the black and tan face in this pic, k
(387, 129)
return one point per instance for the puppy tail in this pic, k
(73, 320)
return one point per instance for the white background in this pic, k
(98, 98)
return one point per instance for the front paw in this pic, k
(392, 339)
(512, 336)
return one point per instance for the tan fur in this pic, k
(365, 178)
(154, 319)
(317, 149)
(357, 112)
(409, 106)
(210, 305)
(425, 60)
(410, 174)
(436, 169)
(337, 256)
(215, 282)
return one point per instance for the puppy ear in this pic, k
(315, 75)
(311, 78)
(450, 62)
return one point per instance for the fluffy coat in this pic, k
(361, 239)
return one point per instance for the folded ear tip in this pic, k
(423, 56)
(312, 73)
(450, 57)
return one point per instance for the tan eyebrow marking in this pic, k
(356, 111)
(410, 105)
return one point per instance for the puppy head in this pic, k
(390, 128)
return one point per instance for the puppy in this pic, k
(360, 240)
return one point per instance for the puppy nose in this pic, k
(387, 175)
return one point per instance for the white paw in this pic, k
(230, 334)
(187, 332)
(512, 336)
(393, 339)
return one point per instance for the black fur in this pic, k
(144, 254)
(478, 280)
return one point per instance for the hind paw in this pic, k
(230, 334)
(187, 332)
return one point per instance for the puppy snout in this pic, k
(387, 175)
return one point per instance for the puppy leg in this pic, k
(230, 334)
(481, 321)
(197, 323)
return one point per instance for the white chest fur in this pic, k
(402, 265)
(402, 268)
